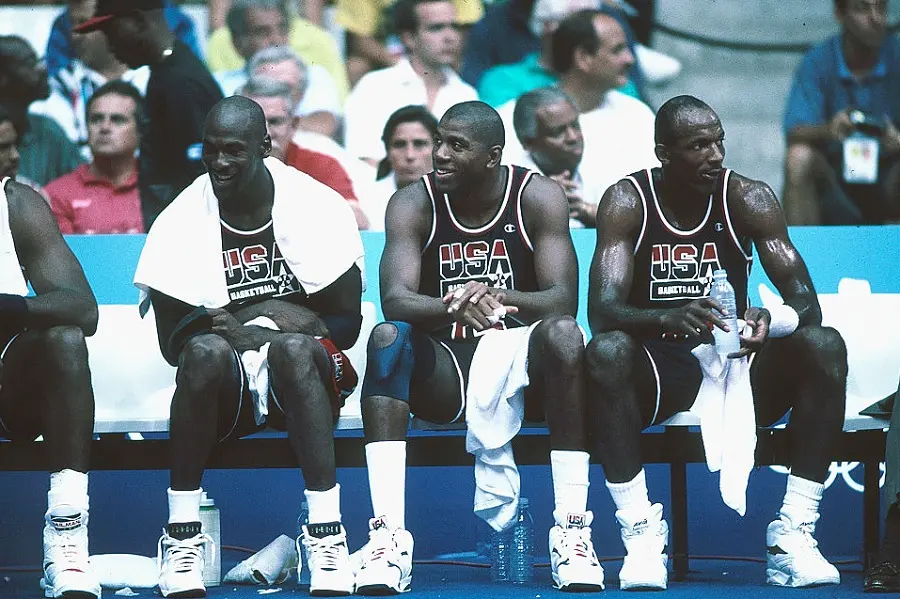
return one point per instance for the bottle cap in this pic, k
(206, 500)
(720, 273)
(523, 502)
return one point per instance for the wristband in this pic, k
(12, 305)
(783, 321)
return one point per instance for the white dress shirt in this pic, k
(380, 93)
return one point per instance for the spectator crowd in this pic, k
(475, 136)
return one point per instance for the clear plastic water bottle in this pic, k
(500, 549)
(722, 291)
(302, 566)
(521, 558)
(210, 523)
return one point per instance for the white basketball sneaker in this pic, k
(180, 555)
(573, 561)
(67, 572)
(646, 538)
(386, 560)
(325, 546)
(793, 558)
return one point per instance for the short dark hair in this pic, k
(403, 17)
(408, 114)
(840, 6)
(119, 88)
(575, 32)
(236, 19)
(484, 122)
(669, 114)
(525, 112)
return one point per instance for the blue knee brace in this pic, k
(389, 369)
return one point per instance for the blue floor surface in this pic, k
(708, 578)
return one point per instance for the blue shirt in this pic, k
(823, 86)
(502, 36)
(506, 82)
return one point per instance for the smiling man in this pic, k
(253, 317)
(476, 253)
(661, 233)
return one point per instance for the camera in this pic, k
(866, 123)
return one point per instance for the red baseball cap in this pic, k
(109, 9)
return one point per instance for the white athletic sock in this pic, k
(631, 495)
(570, 470)
(68, 494)
(324, 506)
(184, 506)
(386, 462)
(802, 495)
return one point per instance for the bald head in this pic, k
(238, 116)
(481, 122)
(678, 112)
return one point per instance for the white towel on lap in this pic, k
(256, 367)
(182, 256)
(724, 405)
(495, 406)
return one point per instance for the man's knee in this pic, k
(562, 338)
(825, 345)
(291, 354)
(803, 163)
(65, 345)
(610, 355)
(390, 361)
(204, 359)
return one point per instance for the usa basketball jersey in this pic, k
(498, 253)
(673, 267)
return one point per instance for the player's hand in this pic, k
(758, 321)
(477, 305)
(694, 321)
(890, 139)
(225, 324)
(840, 125)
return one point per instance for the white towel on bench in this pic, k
(724, 405)
(495, 406)
(182, 256)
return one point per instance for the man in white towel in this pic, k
(252, 276)
(661, 233)
(45, 383)
(475, 249)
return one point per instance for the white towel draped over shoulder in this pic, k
(495, 406)
(314, 227)
(724, 405)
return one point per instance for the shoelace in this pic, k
(576, 541)
(380, 541)
(182, 555)
(807, 531)
(65, 549)
(884, 569)
(325, 552)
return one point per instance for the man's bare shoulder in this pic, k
(751, 199)
(408, 207)
(23, 201)
(621, 207)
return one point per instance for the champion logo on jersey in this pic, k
(509, 228)
(719, 227)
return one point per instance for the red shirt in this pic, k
(321, 167)
(87, 204)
